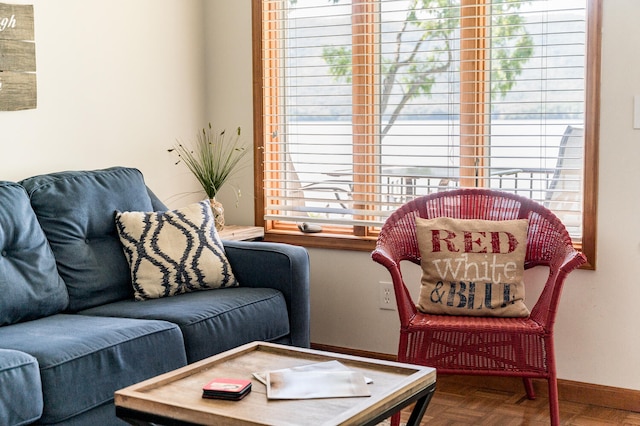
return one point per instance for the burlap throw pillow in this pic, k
(472, 267)
(174, 252)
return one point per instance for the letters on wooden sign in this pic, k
(16, 22)
(18, 89)
(8, 23)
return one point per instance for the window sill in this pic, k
(321, 240)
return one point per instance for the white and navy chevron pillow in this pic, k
(174, 252)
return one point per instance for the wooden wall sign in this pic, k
(17, 58)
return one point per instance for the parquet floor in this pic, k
(455, 403)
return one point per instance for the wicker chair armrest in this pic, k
(565, 259)
(406, 306)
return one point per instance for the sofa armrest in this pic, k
(280, 266)
(158, 205)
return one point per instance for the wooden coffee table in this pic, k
(176, 397)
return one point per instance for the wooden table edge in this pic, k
(136, 391)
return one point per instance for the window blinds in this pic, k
(370, 103)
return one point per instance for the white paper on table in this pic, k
(291, 384)
(319, 366)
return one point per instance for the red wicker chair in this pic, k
(520, 347)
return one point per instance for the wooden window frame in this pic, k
(363, 238)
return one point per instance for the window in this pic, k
(361, 105)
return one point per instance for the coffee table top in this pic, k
(177, 395)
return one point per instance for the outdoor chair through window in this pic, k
(516, 347)
(564, 194)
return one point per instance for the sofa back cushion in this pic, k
(30, 286)
(76, 210)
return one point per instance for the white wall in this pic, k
(118, 82)
(597, 335)
(230, 93)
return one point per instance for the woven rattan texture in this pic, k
(520, 347)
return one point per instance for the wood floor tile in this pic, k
(457, 404)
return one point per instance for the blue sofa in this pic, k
(71, 333)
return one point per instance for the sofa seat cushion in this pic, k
(84, 359)
(21, 395)
(29, 282)
(76, 210)
(212, 321)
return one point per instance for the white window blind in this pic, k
(370, 103)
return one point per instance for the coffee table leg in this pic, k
(419, 409)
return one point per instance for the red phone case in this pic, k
(226, 388)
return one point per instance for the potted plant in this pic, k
(212, 159)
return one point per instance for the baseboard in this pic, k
(568, 390)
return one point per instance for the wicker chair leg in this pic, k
(528, 387)
(554, 408)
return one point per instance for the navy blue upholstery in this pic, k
(102, 415)
(84, 359)
(204, 316)
(279, 266)
(20, 390)
(29, 283)
(76, 211)
(71, 333)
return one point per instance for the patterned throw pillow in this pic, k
(174, 252)
(472, 267)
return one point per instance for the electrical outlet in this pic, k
(386, 296)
